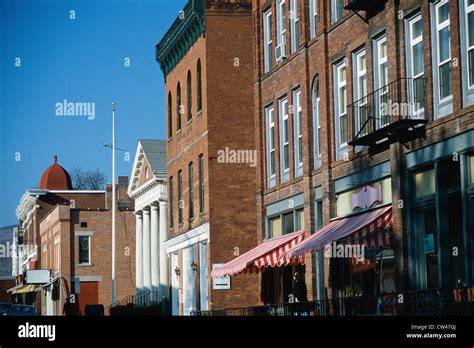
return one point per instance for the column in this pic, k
(164, 284)
(138, 253)
(146, 252)
(154, 253)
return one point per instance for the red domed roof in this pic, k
(55, 178)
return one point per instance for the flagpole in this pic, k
(113, 204)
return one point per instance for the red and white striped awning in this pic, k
(268, 254)
(371, 228)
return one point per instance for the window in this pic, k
(171, 193)
(199, 86)
(84, 249)
(337, 10)
(288, 223)
(271, 165)
(467, 51)
(284, 140)
(360, 91)
(201, 183)
(471, 169)
(415, 67)
(298, 130)
(295, 21)
(299, 220)
(57, 255)
(340, 106)
(425, 183)
(381, 81)
(274, 227)
(178, 105)
(180, 197)
(267, 40)
(316, 123)
(191, 190)
(170, 116)
(281, 31)
(319, 214)
(147, 174)
(442, 58)
(190, 97)
(313, 17)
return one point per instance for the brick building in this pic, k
(365, 134)
(207, 61)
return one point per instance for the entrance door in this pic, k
(89, 295)
(189, 281)
(203, 276)
(174, 286)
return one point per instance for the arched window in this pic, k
(178, 105)
(170, 116)
(190, 97)
(316, 123)
(199, 86)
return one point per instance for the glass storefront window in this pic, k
(430, 245)
(299, 221)
(471, 169)
(288, 223)
(425, 183)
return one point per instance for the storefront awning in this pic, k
(22, 289)
(269, 253)
(371, 228)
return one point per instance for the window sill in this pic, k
(169, 139)
(178, 131)
(190, 121)
(199, 113)
(84, 265)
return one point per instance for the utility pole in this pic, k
(113, 204)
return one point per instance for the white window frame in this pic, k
(298, 132)
(442, 107)
(267, 40)
(284, 143)
(271, 151)
(280, 49)
(468, 86)
(313, 18)
(380, 67)
(360, 83)
(294, 21)
(334, 12)
(411, 42)
(57, 254)
(316, 100)
(341, 147)
(88, 249)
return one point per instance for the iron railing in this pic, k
(425, 302)
(401, 99)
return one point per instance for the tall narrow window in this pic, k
(415, 67)
(298, 130)
(360, 91)
(284, 140)
(467, 51)
(340, 104)
(442, 58)
(170, 115)
(295, 21)
(316, 123)
(171, 195)
(190, 97)
(271, 165)
(281, 30)
(180, 197)
(337, 10)
(313, 17)
(201, 183)
(267, 40)
(191, 190)
(178, 105)
(199, 85)
(381, 81)
(84, 250)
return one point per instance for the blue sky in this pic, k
(78, 60)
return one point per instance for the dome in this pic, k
(55, 178)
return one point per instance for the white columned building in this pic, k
(148, 187)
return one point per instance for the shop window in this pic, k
(427, 224)
(288, 223)
(319, 214)
(299, 220)
(274, 227)
(425, 183)
(471, 169)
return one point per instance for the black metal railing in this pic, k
(147, 303)
(401, 99)
(425, 302)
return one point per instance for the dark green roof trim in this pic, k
(182, 34)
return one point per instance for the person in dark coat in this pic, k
(300, 292)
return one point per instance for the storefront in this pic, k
(440, 195)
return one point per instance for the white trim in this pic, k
(267, 40)
(298, 131)
(84, 233)
(196, 235)
(411, 42)
(283, 116)
(270, 125)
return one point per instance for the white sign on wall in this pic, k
(37, 276)
(220, 283)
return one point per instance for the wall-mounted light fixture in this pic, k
(177, 271)
(194, 267)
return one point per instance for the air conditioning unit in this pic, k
(280, 52)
